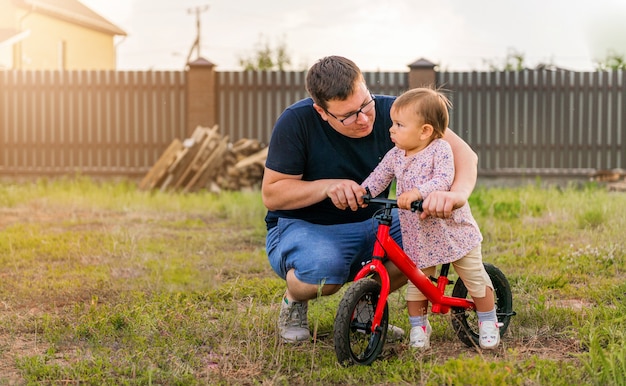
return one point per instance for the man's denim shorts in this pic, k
(323, 254)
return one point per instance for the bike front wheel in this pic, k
(354, 340)
(465, 322)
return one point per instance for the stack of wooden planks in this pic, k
(208, 161)
(615, 179)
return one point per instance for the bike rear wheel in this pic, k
(465, 322)
(354, 340)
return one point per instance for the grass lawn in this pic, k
(103, 284)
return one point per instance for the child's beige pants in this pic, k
(469, 268)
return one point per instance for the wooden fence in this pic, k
(88, 122)
(109, 123)
(541, 122)
(249, 102)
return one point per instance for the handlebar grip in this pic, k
(416, 206)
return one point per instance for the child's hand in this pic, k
(406, 198)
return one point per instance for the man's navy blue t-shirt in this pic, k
(303, 143)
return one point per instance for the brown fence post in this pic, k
(422, 74)
(200, 86)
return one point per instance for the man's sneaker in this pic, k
(293, 325)
(394, 333)
(420, 336)
(489, 334)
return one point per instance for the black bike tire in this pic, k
(347, 337)
(467, 332)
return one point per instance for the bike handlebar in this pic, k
(415, 205)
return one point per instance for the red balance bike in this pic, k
(362, 319)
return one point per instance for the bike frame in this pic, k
(386, 246)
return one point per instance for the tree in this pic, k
(266, 58)
(514, 61)
(613, 61)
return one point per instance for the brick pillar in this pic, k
(422, 74)
(201, 94)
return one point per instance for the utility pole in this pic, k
(196, 43)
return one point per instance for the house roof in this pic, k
(9, 36)
(72, 11)
(7, 33)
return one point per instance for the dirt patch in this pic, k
(546, 347)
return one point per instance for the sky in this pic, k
(457, 35)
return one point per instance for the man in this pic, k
(321, 149)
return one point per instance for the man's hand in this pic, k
(441, 204)
(346, 194)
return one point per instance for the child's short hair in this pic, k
(429, 104)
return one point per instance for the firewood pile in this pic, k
(208, 161)
(615, 179)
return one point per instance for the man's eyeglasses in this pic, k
(350, 119)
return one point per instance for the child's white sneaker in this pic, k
(489, 335)
(420, 336)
